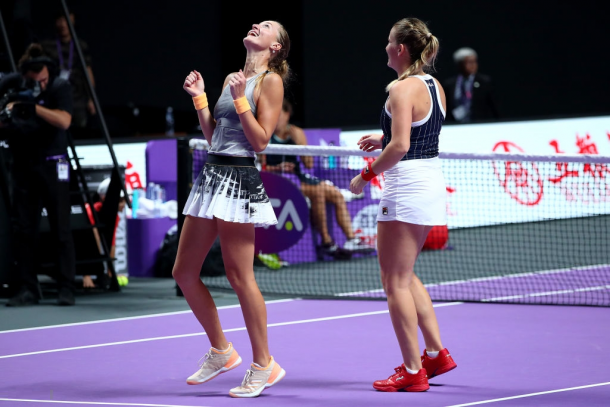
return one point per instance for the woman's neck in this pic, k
(405, 68)
(256, 62)
(282, 132)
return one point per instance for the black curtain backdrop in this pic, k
(546, 59)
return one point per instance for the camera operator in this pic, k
(35, 111)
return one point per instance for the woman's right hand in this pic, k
(370, 142)
(193, 84)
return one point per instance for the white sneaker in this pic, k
(349, 195)
(356, 245)
(258, 379)
(214, 363)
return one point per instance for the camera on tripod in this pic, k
(22, 116)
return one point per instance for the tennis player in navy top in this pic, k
(413, 199)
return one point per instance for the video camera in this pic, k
(22, 117)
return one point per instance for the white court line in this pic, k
(162, 314)
(96, 403)
(542, 294)
(491, 278)
(521, 396)
(159, 338)
(176, 405)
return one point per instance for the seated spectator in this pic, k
(470, 95)
(318, 191)
(101, 191)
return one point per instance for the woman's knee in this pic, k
(184, 275)
(240, 280)
(397, 281)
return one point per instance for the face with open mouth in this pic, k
(263, 35)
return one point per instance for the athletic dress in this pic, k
(229, 186)
(415, 189)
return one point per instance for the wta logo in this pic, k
(289, 216)
(291, 211)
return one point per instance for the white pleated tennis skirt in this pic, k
(230, 193)
(414, 192)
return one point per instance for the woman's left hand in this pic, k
(357, 184)
(237, 85)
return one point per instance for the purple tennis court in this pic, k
(332, 351)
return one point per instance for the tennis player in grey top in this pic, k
(228, 200)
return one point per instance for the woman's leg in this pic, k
(344, 219)
(237, 242)
(315, 193)
(196, 238)
(398, 246)
(426, 316)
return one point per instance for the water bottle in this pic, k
(331, 160)
(169, 121)
(134, 203)
(149, 191)
(157, 201)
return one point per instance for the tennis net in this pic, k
(521, 228)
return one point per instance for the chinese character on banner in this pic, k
(562, 168)
(132, 178)
(585, 145)
(563, 172)
(450, 212)
(521, 180)
(377, 183)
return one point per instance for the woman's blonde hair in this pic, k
(278, 63)
(421, 45)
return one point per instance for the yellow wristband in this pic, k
(200, 101)
(241, 105)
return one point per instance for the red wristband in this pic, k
(367, 173)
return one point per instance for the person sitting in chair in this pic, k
(319, 192)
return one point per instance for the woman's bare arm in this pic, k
(258, 130)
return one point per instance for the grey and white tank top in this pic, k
(229, 137)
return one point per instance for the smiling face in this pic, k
(263, 36)
(393, 49)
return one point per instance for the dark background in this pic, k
(546, 59)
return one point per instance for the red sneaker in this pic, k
(402, 380)
(443, 363)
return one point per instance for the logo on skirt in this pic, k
(384, 210)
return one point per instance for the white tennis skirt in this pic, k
(232, 193)
(414, 192)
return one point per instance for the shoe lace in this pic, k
(397, 370)
(205, 358)
(247, 377)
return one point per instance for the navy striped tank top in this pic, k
(424, 133)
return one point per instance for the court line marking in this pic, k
(159, 338)
(491, 278)
(546, 293)
(162, 314)
(531, 395)
(97, 403)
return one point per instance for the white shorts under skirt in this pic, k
(230, 193)
(415, 193)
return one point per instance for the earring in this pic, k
(273, 52)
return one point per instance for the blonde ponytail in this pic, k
(420, 43)
(277, 63)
